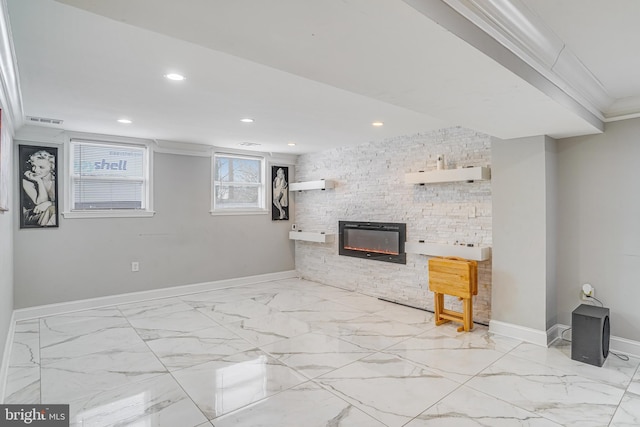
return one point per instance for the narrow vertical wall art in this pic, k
(280, 181)
(38, 180)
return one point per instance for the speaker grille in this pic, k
(605, 337)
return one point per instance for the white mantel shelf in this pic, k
(448, 175)
(322, 184)
(476, 253)
(311, 236)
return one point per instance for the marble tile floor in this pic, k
(298, 353)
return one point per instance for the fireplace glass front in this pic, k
(373, 240)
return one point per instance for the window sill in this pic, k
(108, 214)
(239, 212)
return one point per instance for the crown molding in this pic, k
(10, 95)
(521, 31)
(624, 108)
(512, 24)
(497, 36)
(182, 148)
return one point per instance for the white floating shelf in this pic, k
(311, 236)
(476, 253)
(448, 175)
(322, 184)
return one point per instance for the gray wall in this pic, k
(182, 244)
(599, 223)
(520, 232)
(6, 246)
(6, 270)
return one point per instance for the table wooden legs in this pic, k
(443, 315)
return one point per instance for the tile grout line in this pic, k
(626, 391)
(163, 364)
(316, 381)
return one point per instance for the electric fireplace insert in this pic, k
(380, 241)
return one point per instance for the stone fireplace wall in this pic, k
(369, 186)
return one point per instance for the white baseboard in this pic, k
(616, 344)
(6, 356)
(554, 333)
(534, 336)
(557, 333)
(523, 333)
(71, 306)
(625, 346)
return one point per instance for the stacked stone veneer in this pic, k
(369, 186)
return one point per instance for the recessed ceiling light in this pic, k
(174, 76)
(377, 124)
(125, 121)
(246, 120)
(291, 144)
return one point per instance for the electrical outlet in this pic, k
(587, 291)
(135, 266)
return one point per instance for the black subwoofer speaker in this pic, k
(590, 332)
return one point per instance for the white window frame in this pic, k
(262, 210)
(147, 210)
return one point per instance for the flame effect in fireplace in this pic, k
(377, 251)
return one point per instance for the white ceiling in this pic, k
(604, 34)
(314, 72)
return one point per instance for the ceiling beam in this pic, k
(525, 50)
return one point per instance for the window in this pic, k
(108, 179)
(238, 184)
